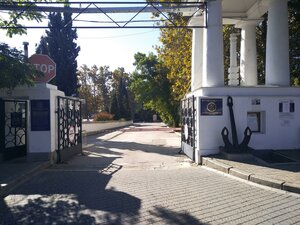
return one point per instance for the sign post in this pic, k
(44, 64)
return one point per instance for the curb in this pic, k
(111, 135)
(269, 182)
(12, 184)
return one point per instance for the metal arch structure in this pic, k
(162, 10)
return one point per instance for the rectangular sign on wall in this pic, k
(211, 106)
(40, 115)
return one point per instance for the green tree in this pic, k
(14, 17)
(15, 68)
(59, 44)
(102, 82)
(175, 52)
(85, 91)
(114, 106)
(152, 89)
(120, 102)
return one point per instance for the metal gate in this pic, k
(188, 126)
(69, 123)
(13, 128)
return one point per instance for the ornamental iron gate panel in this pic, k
(69, 128)
(13, 128)
(188, 126)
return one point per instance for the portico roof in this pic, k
(235, 11)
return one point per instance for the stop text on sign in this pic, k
(44, 64)
(45, 68)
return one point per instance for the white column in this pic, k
(233, 70)
(213, 62)
(197, 59)
(248, 59)
(277, 55)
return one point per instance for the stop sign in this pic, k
(45, 64)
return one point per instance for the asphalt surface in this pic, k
(137, 177)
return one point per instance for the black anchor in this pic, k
(235, 146)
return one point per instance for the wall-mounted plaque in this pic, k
(287, 106)
(211, 106)
(40, 115)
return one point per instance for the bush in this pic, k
(103, 116)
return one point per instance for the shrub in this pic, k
(103, 116)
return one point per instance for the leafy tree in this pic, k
(14, 17)
(175, 52)
(152, 89)
(85, 91)
(120, 102)
(59, 44)
(96, 87)
(114, 106)
(102, 80)
(15, 68)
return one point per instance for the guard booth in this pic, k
(41, 123)
(270, 111)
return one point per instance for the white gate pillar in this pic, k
(197, 59)
(277, 55)
(248, 59)
(213, 62)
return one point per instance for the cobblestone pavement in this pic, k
(138, 178)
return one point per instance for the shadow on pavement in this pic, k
(70, 197)
(170, 217)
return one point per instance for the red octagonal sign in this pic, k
(45, 64)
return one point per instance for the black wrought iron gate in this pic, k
(188, 126)
(69, 128)
(13, 128)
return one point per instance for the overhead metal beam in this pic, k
(188, 9)
(93, 7)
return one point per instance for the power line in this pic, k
(118, 36)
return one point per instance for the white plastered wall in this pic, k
(278, 130)
(39, 142)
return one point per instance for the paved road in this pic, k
(138, 178)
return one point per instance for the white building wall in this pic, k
(40, 144)
(279, 130)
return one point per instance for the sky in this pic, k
(102, 47)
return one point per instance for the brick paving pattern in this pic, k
(137, 178)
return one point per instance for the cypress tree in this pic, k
(59, 44)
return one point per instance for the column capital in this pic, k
(245, 23)
(196, 21)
